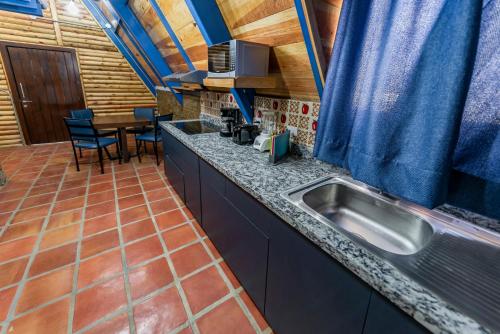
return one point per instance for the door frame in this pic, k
(12, 82)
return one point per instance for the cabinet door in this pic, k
(308, 291)
(242, 245)
(245, 250)
(386, 318)
(191, 170)
(212, 203)
(186, 162)
(174, 175)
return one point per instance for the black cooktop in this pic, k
(196, 127)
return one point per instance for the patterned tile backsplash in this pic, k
(302, 115)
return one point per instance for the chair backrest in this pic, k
(82, 113)
(161, 118)
(147, 113)
(81, 129)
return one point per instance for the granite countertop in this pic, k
(251, 170)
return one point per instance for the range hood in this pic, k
(193, 77)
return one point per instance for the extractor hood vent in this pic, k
(195, 77)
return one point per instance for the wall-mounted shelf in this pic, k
(241, 82)
(188, 87)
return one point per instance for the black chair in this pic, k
(84, 136)
(88, 113)
(152, 136)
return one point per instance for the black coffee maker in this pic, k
(230, 118)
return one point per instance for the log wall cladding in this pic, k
(110, 84)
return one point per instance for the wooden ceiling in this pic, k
(271, 22)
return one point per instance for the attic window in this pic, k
(31, 7)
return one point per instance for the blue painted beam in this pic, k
(139, 36)
(171, 33)
(245, 98)
(134, 27)
(308, 40)
(213, 28)
(209, 19)
(121, 46)
(30, 7)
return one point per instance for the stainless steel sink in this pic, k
(364, 214)
(453, 258)
(372, 219)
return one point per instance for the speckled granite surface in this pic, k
(251, 171)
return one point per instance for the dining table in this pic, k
(121, 123)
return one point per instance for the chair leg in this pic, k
(119, 153)
(107, 153)
(155, 148)
(138, 147)
(145, 148)
(80, 149)
(99, 152)
(76, 156)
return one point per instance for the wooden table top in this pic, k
(118, 121)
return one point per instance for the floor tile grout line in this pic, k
(14, 212)
(177, 281)
(128, 293)
(76, 268)
(107, 317)
(22, 282)
(221, 272)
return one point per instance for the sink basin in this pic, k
(379, 223)
(453, 258)
(366, 215)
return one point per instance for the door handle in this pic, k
(22, 91)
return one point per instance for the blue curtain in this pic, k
(478, 148)
(395, 91)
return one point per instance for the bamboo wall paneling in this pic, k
(110, 85)
(9, 130)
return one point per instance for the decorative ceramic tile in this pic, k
(301, 136)
(294, 113)
(294, 107)
(311, 136)
(266, 103)
(304, 122)
(275, 104)
(315, 111)
(284, 105)
(293, 120)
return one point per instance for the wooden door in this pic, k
(45, 84)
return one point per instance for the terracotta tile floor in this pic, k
(89, 253)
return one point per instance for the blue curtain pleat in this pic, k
(395, 92)
(478, 148)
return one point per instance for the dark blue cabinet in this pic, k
(308, 291)
(242, 245)
(175, 176)
(386, 318)
(296, 285)
(183, 172)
